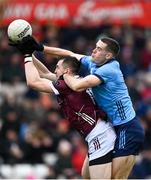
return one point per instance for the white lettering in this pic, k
(18, 10)
(24, 32)
(43, 11)
(88, 11)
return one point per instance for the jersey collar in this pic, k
(110, 60)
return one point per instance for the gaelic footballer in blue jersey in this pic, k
(110, 91)
(111, 94)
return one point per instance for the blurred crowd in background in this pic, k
(32, 128)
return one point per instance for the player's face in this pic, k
(100, 54)
(59, 69)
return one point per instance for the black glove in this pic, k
(27, 45)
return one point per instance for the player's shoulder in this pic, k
(112, 64)
(86, 58)
(60, 84)
(109, 69)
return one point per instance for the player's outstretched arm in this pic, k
(83, 83)
(58, 52)
(30, 44)
(33, 78)
(43, 70)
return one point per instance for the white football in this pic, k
(19, 29)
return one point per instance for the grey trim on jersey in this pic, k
(54, 89)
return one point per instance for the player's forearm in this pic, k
(82, 83)
(43, 70)
(39, 65)
(33, 78)
(57, 52)
(73, 83)
(31, 73)
(50, 76)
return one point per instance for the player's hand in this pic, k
(24, 51)
(30, 42)
(27, 46)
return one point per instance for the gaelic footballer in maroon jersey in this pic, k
(78, 107)
(83, 114)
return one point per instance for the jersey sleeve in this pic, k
(104, 73)
(85, 61)
(85, 66)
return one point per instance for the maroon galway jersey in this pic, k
(78, 107)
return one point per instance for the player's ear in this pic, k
(109, 55)
(67, 71)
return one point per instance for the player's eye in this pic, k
(99, 49)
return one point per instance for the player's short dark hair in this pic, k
(112, 45)
(72, 63)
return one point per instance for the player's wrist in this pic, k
(27, 55)
(27, 59)
(40, 47)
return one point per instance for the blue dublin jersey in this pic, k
(112, 94)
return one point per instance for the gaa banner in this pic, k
(79, 12)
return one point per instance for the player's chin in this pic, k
(96, 61)
(93, 59)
